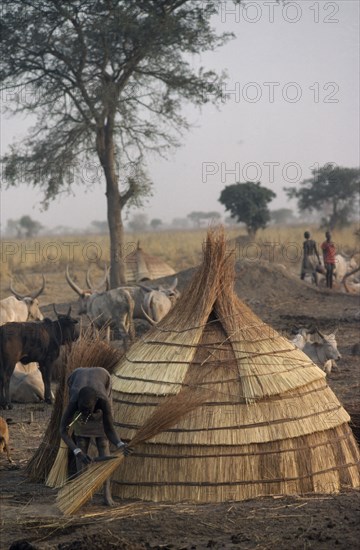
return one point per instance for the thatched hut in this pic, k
(269, 425)
(141, 266)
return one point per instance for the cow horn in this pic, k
(151, 321)
(36, 294)
(174, 284)
(67, 314)
(16, 294)
(319, 333)
(32, 296)
(72, 283)
(146, 288)
(105, 280)
(88, 281)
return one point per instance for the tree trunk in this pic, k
(251, 232)
(116, 231)
(105, 150)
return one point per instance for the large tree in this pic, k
(331, 188)
(106, 80)
(248, 203)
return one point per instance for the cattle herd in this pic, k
(30, 344)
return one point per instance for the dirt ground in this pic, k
(28, 510)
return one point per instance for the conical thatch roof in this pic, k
(141, 266)
(270, 423)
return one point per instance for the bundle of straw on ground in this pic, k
(271, 424)
(88, 351)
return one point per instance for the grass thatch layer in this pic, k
(217, 473)
(227, 418)
(270, 423)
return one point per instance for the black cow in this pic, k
(37, 341)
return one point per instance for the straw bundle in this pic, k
(271, 424)
(59, 471)
(41, 462)
(88, 351)
(80, 490)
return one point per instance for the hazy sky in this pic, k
(293, 103)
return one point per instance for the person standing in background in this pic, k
(311, 258)
(329, 251)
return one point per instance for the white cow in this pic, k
(323, 351)
(343, 265)
(350, 283)
(26, 384)
(21, 307)
(18, 309)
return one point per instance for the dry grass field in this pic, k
(26, 259)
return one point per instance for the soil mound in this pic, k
(272, 290)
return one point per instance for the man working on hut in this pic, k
(89, 413)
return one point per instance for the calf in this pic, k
(4, 438)
(323, 352)
(26, 342)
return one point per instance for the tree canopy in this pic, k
(24, 227)
(331, 188)
(282, 216)
(248, 202)
(106, 80)
(198, 217)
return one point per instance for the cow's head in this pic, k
(84, 294)
(68, 326)
(33, 309)
(34, 313)
(330, 346)
(170, 291)
(352, 263)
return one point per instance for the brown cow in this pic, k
(26, 342)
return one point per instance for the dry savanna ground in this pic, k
(271, 286)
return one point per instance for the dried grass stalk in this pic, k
(43, 459)
(77, 492)
(59, 472)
